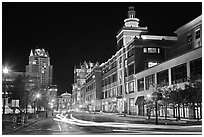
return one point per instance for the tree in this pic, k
(193, 93)
(18, 91)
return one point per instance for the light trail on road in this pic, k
(79, 122)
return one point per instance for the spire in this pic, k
(131, 12)
(131, 21)
(31, 52)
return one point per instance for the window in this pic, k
(131, 87)
(140, 84)
(125, 72)
(130, 52)
(152, 50)
(196, 69)
(120, 90)
(105, 94)
(149, 80)
(197, 32)
(114, 91)
(131, 69)
(163, 78)
(179, 74)
(145, 50)
(126, 88)
(189, 36)
(114, 77)
(151, 64)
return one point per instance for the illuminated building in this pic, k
(52, 95)
(92, 89)
(39, 65)
(143, 61)
(64, 102)
(80, 73)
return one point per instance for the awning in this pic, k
(139, 100)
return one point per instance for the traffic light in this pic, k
(159, 96)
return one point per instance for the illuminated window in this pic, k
(140, 84)
(131, 87)
(189, 36)
(152, 50)
(145, 50)
(151, 64)
(197, 32)
(149, 80)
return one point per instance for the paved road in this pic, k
(66, 125)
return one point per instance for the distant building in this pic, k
(80, 73)
(52, 96)
(65, 102)
(39, 65)
(92, 89)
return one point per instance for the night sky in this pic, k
(78, 32)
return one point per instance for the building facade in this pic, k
(143, 61)
(52, 96)
(93, 86)
(80, 73)
(39, 65)
(64, 102)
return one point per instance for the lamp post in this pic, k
(5, 71)
(38, 95)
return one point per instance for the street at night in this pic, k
(101, 68)
(67, 124)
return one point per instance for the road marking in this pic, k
(59, 127)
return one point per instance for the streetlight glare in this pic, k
(38, 95)
(5, 70)
(148, 95)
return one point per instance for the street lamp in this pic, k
(5, 71)
(38, 95)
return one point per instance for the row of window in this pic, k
(197, 35)
(109, 80)
(130, 70)
(109, 93)
(152, 50)
(89, 79)
(89, 98)
(108, 68)
(178, 75)
(90, 87)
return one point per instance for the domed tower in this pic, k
(130, 30)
